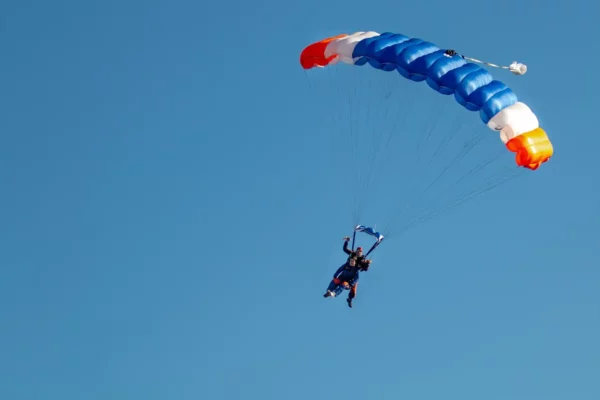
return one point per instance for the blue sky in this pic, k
(175, 193)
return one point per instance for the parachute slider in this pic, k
(371, 232)
(515, 67)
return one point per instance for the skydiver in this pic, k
(347, 275)
(358, 254)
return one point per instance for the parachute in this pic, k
(448, 73)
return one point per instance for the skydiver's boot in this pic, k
(349, 301)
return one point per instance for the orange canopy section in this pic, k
(314, 55)
(533, 148)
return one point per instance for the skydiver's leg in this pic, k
(352, 294)
(353, 290)
(339, 289)
(332, 289)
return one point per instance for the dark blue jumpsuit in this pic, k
(347, 273)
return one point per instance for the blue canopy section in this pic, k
(369, 231)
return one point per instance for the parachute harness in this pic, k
(516, 67)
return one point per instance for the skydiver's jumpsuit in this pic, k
(347, 273)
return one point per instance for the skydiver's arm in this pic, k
(345, 248)
(339, 271)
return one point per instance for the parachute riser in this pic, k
(373, 248)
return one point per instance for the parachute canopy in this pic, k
(448, 73)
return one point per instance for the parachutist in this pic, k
(346, 276)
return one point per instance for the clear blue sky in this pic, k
(173, 205)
